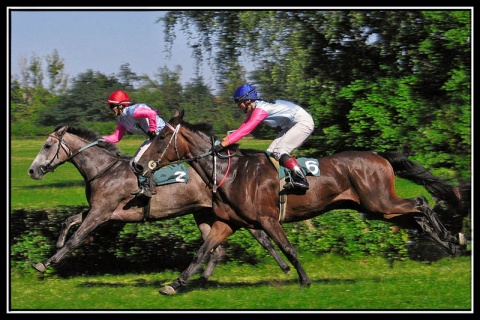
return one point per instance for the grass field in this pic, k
(339, 284)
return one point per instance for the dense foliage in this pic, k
(372, 79)
(171, 244)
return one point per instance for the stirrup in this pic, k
(142, 192)
(136, 191)
(293, 185)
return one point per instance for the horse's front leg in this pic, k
(274, 229)
(264, 240)
(204, 222)
(219, 232)
(88, 225)
(67, 224)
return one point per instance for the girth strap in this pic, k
(283, 196)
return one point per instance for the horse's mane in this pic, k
(204, 127)
(92, 136)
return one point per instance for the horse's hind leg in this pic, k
(432, 226)
(67, 224)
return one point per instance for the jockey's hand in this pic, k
(102, 143)
(151, 135)
(217, 148)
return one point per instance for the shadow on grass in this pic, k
(56, 185)
(201, 283)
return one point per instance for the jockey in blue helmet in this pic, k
(295, 123)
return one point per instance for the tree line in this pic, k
(372, 79)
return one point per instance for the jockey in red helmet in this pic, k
(136, 118)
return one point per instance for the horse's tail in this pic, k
(407, 169)
(464, 191)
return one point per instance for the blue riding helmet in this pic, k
(245, 92)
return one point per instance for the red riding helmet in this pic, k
(119, 97)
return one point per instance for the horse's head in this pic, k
(61, 145)
(163, 149)
(177, 142)
(53, 152)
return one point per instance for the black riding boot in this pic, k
(298, 180)
(144, 188)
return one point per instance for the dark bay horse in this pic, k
(109, 179)
(247, 195)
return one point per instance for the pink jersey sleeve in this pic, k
(144, 112)
(117, 135)
(250, 123)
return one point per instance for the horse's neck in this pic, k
(91, 161)
(203, 166)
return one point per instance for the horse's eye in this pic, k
(162, 136)
(47, 146)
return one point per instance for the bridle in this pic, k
(50, 167)
(155, 165)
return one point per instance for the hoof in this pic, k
(40, 267)
(461, 239)
(168, 290)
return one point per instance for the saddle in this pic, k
(309, 166)
(174, 173)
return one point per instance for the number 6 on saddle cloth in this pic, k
(309, 167)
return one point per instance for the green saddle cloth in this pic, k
(175, 173)
(309, 166)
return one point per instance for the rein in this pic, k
(155, 165)
(50, 167)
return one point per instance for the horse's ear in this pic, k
(177, 117)
(62, 130)
(176, 113)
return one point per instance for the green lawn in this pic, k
(338, 284)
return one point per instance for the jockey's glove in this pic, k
(217, 146)
(151, 135)
(102, 143)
